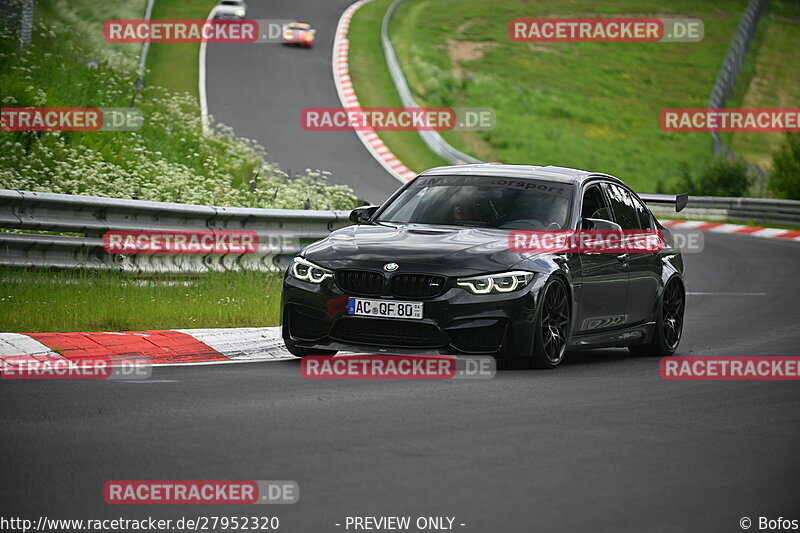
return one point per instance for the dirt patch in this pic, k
(459, 51)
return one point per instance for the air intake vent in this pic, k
(417, 285)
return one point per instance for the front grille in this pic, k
(387, 332)
(482, 339)
(360, 282)
(366, 283)
(417, 285)
(307, 324)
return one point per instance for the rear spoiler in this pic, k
(678, 200)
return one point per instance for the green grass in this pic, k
(113, 301)
(774, 80)
(374, 87)
(585, 105)
(175, 65)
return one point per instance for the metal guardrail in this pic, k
(760, 210)
(729, 72)
(282, 233)
(432, 138)
(734, 57)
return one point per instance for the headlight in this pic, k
(496, 283)
(308, 271)
(240, 13)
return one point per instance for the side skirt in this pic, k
(620, 337)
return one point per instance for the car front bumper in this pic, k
(456, 322)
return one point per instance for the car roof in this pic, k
(299, 25)
(553, 173)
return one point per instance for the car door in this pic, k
(644, 268)
(604, 278)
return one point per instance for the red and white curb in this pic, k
(737, 229)
(162, 348)
(344, 87)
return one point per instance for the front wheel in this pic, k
(669, 325)
(552, 326)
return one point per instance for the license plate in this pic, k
(384, 308)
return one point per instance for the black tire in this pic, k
(669, 325)
(551, 333)
(298, 351)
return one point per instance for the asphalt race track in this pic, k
(601, 444)
(560, 450)
(260, 90)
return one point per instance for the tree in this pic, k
(784, 180)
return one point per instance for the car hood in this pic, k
(446, 251)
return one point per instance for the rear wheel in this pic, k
(669, 325)
(552, 326)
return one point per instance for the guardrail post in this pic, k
(25, 23)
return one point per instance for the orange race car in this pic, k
(299, 34)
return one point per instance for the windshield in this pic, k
(231, 3)
(478, 201)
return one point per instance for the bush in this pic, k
(784, 180)
(723, 176)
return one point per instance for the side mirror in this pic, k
(362, 215)
(600, 224)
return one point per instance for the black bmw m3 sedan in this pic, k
(434, 271)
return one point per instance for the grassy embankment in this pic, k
(586, 105)
(774, 81)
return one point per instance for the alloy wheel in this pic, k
(555, 322)
(672, 315)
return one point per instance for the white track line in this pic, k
(228, 362)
